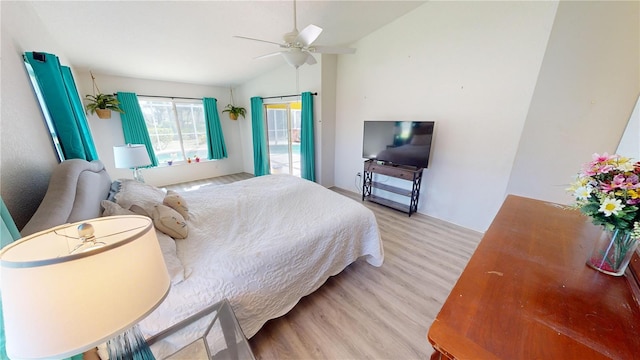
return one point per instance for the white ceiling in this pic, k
(192, 41)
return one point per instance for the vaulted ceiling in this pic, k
(192, 41)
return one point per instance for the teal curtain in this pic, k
(8, 234)
(133, 125)
(215, 139)
(81, 118)
(61, 97)
(307, 142)
(9, 231)
(260, 152)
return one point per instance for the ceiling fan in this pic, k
(298, 46)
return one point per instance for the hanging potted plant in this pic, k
(102, 104)
(235, 111)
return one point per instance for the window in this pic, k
(176, 127)
(283, 136)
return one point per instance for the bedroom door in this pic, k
(283, 136)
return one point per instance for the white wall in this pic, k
(27, 156)
(326, 131)
(630, 143)
(108, 133)
(469, 66)
(588, 84)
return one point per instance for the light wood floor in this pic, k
(367, 312)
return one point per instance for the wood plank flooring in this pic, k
(367, 312)
(220, 180)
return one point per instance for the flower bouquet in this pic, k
(608, 190)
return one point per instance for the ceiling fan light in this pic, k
(311, 60)
(295, 58)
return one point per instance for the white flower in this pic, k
(610, 206)
(583, 192)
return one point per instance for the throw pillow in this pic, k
(177, 203)
(133, 192)
(111, 209)
(115, 187)
(169, 222)
(171, 260)
(139, 211)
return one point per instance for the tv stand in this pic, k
(411, 174)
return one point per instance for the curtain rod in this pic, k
(284, 96)
(191, 98)
(168, 97)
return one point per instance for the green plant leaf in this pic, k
(103, 101)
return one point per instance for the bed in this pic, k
(262, 243)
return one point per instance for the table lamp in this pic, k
(132, 156)
(70, 288)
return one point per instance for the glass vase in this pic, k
(612, 252)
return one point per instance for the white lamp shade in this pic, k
(58, 304)
(131, 156)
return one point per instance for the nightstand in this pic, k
(213, 333)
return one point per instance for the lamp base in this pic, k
(137, 175)
(129, 345)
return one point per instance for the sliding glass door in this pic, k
(283, 136)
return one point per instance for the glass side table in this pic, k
(213, 333)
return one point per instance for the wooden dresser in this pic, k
(526, 293)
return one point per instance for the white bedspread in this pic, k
(264, 243)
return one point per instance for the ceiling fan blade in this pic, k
(311, 60)
(332, 50)
(269, 55)
(308, 35)
(253, 39)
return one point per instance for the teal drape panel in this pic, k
(307, 142)
(9, 233)
(59, 93)
(81, 118)
(215, 138)
(133, 125)
(260, 153)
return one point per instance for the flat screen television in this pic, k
(398, 142)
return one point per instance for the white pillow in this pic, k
(111, 208)
(169, 252)
(169, 221)
(133, 192)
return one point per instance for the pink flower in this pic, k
(601, 164)
(630, 182)
(602, 158)
(606, 187)
(592, 169)
(618, 180)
